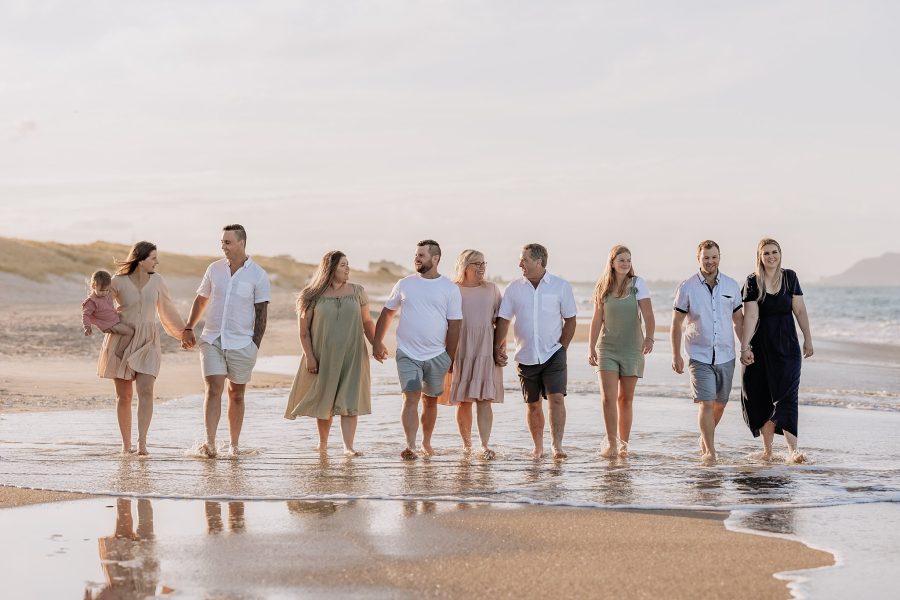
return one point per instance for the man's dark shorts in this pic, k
(539, 380)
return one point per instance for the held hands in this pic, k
(188, 340)
(647, 346)
(379, 351)
(807, 349)
(592, 357)
(500, 358)
(678, 364)
(747, 357)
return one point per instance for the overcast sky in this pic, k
(368, 125)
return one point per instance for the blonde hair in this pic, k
(607, 281)
(320, 281)
(761, 269)
(465, 258)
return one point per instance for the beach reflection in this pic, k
(214, 522)
(128, 557)
(614, 486)
(780, 520)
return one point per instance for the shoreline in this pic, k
(491, 545)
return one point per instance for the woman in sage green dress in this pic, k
(618, 345)
(333, 378)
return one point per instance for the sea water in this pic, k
(851, 482)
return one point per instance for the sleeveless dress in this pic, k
(475, 376)
(343, 384)
(770, 386)
(621, 337)
(139, 308)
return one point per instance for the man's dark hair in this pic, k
(706, 245)
(434, 249)
(537, 252)
(238, 230)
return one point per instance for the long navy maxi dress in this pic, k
(771, 384)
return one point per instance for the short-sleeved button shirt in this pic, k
(230, 314)
(708, 332)
(539, 313)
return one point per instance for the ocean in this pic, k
(845, 500)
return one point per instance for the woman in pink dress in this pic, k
(140, 295)
(473, 377)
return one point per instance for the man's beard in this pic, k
(424, 268)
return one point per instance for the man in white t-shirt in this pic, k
(544, 309)
(430, 316)
(710, 303)
(235, 295)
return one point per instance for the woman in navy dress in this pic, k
(770, 350)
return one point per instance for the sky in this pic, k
(367, 126)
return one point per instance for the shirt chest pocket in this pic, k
(550, 303)
(244, 289)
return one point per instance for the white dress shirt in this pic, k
(709, 332)
(539, 313)
(230, 313)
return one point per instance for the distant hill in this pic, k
(881, 271)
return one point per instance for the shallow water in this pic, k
(853, 456)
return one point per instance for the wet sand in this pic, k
(407, 549)
(527, 552)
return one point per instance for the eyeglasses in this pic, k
(478, 265)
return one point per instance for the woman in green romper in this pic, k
(333, 378)
(618, 344)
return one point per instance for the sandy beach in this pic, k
(527, 552)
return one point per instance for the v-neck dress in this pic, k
(139, 308)
(771, 384)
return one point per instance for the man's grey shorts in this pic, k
(711, 382)
(237, 364)
(424, 375)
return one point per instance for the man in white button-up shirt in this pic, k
(544, 309)
(235, 294)
(710, 303)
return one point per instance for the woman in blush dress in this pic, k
(474, 378)
(770, 350)
(140, 294)
(333, 378)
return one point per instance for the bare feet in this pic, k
(623, 449)
(467, 450)
(126, 450)
(233, 451)
(322, 447)
(427, 450)
(142, 449)
(487, 453)
(538, 452)
(207, 451)
(708, 459)
(609, 450)
(796, 457)
(408, 454)
(558, 453)
(350, 452)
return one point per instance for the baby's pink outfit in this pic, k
(100, 312)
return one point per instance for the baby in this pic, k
(98, 310)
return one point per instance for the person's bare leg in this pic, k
(464, 424)
(124, 395)
(794, 454)
(144, 384)
(429, 418)
(126, 332)
(409, 417)
(707, 423)
(235, 413)
(768, 434)
(324, 427)
(485, 416)
(609, 389)
(557, 410)
(625, 401)
(348, 433)
(212, 412)
(718, 411)
(534, 415)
